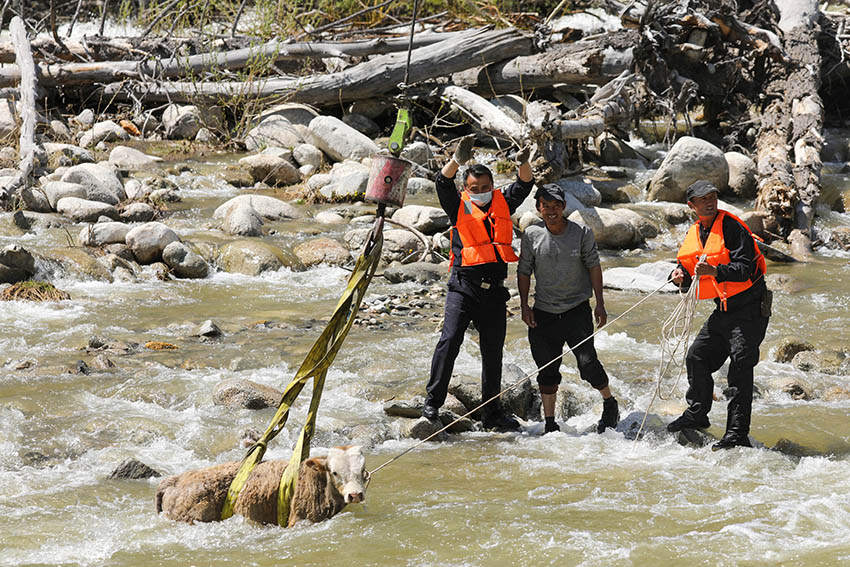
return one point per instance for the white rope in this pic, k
(521, 381)
(675, 337)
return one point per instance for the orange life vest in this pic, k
(478, 247)
(716, 253)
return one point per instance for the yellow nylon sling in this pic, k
(315, 365)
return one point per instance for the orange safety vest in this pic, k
(478, 248)
(716, 253)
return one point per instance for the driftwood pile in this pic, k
(744, 75)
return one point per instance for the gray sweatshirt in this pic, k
(560, 264)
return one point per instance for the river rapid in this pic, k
(570, 498)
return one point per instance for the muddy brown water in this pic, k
(476, 499)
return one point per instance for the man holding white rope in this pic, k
(722, 252)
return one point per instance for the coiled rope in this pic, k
(516, 384)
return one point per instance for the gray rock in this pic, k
(181, 122)
(237, 393)
(612, 150)
(113, 262)
(399, 245)
(348, 181)
(252, 257)
(85, 118)
(101, 181)
(267, 207)
(524, 399)
(16, 264)
(339, 140)
(677, 213)
(788, 347)
(67, 154)
(329, 217)
(421, 428)
(373, 107)
(362, 124)
(424, 219)
(296, 113)
(56, 190)
(582, 190)
(131, 159)
(417, 152)
(271, 169)
(164, 195)
(35, 199)
(825, 362)
(81, 262)
(611, 228)
(184, 262)
(646, 277)
(27, 220)
(411, 409)
(106, 131)
(743, 175)
(243, 220)
(133, 469)
(420, 272)
(797, 390)
(274, 131)
(83, 210)
(236, 175)
(137, 212)
(421, 185)
(208, 329)
(101, 234)
(319, 180)
(690, 159)
(653, 425)
(323, 251)
(205, 136)
(149, 240)
(308, 154)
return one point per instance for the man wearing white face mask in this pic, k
(481, 237)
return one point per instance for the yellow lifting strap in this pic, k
(315, 365)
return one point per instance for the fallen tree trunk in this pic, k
(378, 76)
(186, 66)
(486, 116)
(587, 62)
(28, 151)
(792, 204)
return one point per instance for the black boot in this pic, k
(685, 421)
(731, 440)
(610, 415)
(551, 426)
(500, 422)
(430, 412)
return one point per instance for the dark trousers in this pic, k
(735, 335)
(547, 342)
(466, 301)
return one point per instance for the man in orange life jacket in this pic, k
(481, 247)
(721, 250)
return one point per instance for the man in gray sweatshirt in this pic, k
(562, 256)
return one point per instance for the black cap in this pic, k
(700, 188)
(550, 192)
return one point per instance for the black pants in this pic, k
(466, 301)
(735, 335)
(571, 327)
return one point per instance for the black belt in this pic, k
(484, 283)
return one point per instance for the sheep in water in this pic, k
(325, 486)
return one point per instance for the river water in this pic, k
(476, 499)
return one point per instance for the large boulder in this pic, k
(103, 233)
(253, 257)
(274, 131)
(101, 180)
(419, 272)
(583, 191)
(106, 131)
(611, 228)
(788, 348)
(82, 262)
(826, 362)
(323, 251)
(83, 210)
(149, 240)
(743, 175)
(137, 212)
(339, 140)
(181, 122)
(243, 220)
(16, 264)
(689, 160)
(131, 159)
(56, 190)
(348, 180)
(428, 220)
(308, 154)
(267, 207)
(399, 245)
(646, 277)
(271, 169)
(236, 393)
(184, 262)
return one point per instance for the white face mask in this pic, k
(481, 198)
